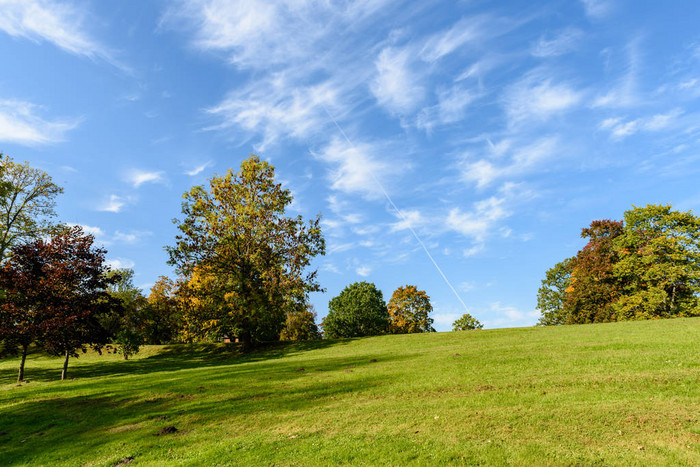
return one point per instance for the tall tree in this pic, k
(409, 310)
(659, 264)
(593, 285)
(27, 201)
(359, 310)
(235, 239)
(552, 295)
(59, 285)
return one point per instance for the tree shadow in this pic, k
(54, 424)
(170, 358)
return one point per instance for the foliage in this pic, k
(129, 342)
(408, 311)
(659, 264)
(57, 286)
(359, 310)
(594, 286)
(245, 261)
(645, 267)
(300, 325)
(160, 318)
(466, 323)
(27, 200)
(551, 296)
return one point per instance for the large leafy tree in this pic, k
(409, 311)
(246, 261)
(659, 264)
(551, 296)
(56, 292)
(593, 285)
(359, 310)
(27, 201)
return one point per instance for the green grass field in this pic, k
(607, 394)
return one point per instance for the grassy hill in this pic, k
(623, 393)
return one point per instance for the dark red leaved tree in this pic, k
(56, 290)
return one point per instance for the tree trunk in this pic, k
(246, 341)
(20, 376)
(65, 367)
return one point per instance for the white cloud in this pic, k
(523, 160)
(114, 203)
(138, 177)
(19, 123)
(356, 169)
(363, 271)
(478, 222)
(120, 263)
(396, 86)
(503, 315)
(198, 169)
(278, 108)
(131, 237)
(620, 129)
(624, 92)
(409, 219)
(451, 107)
(536, 98)
(597, 9)
(563, 42)
(464, 31)
(61, 23)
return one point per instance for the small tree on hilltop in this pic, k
(409, 310)
(358, 311)
(466, 323)
(244, 259)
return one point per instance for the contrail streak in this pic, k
(401, 215)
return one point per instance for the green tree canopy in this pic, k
(466, 323)
(659, 264)
(647, 266)
(245, 260)
(27, 201)
(359, 310)
(551, 296)
(409, 311)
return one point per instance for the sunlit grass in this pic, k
(624, 394)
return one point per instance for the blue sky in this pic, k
(498, 129)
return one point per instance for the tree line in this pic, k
(646, 266)
(242, 273)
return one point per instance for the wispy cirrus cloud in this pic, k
(60, 23)
(621, 128)
(508, 161)
(114, 203)
(137, 177)
(356, 169)
(21, 124)
(197, 169)
(537, 98)
(559, 44)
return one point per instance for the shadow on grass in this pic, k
(169, 358)
(55, 423)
